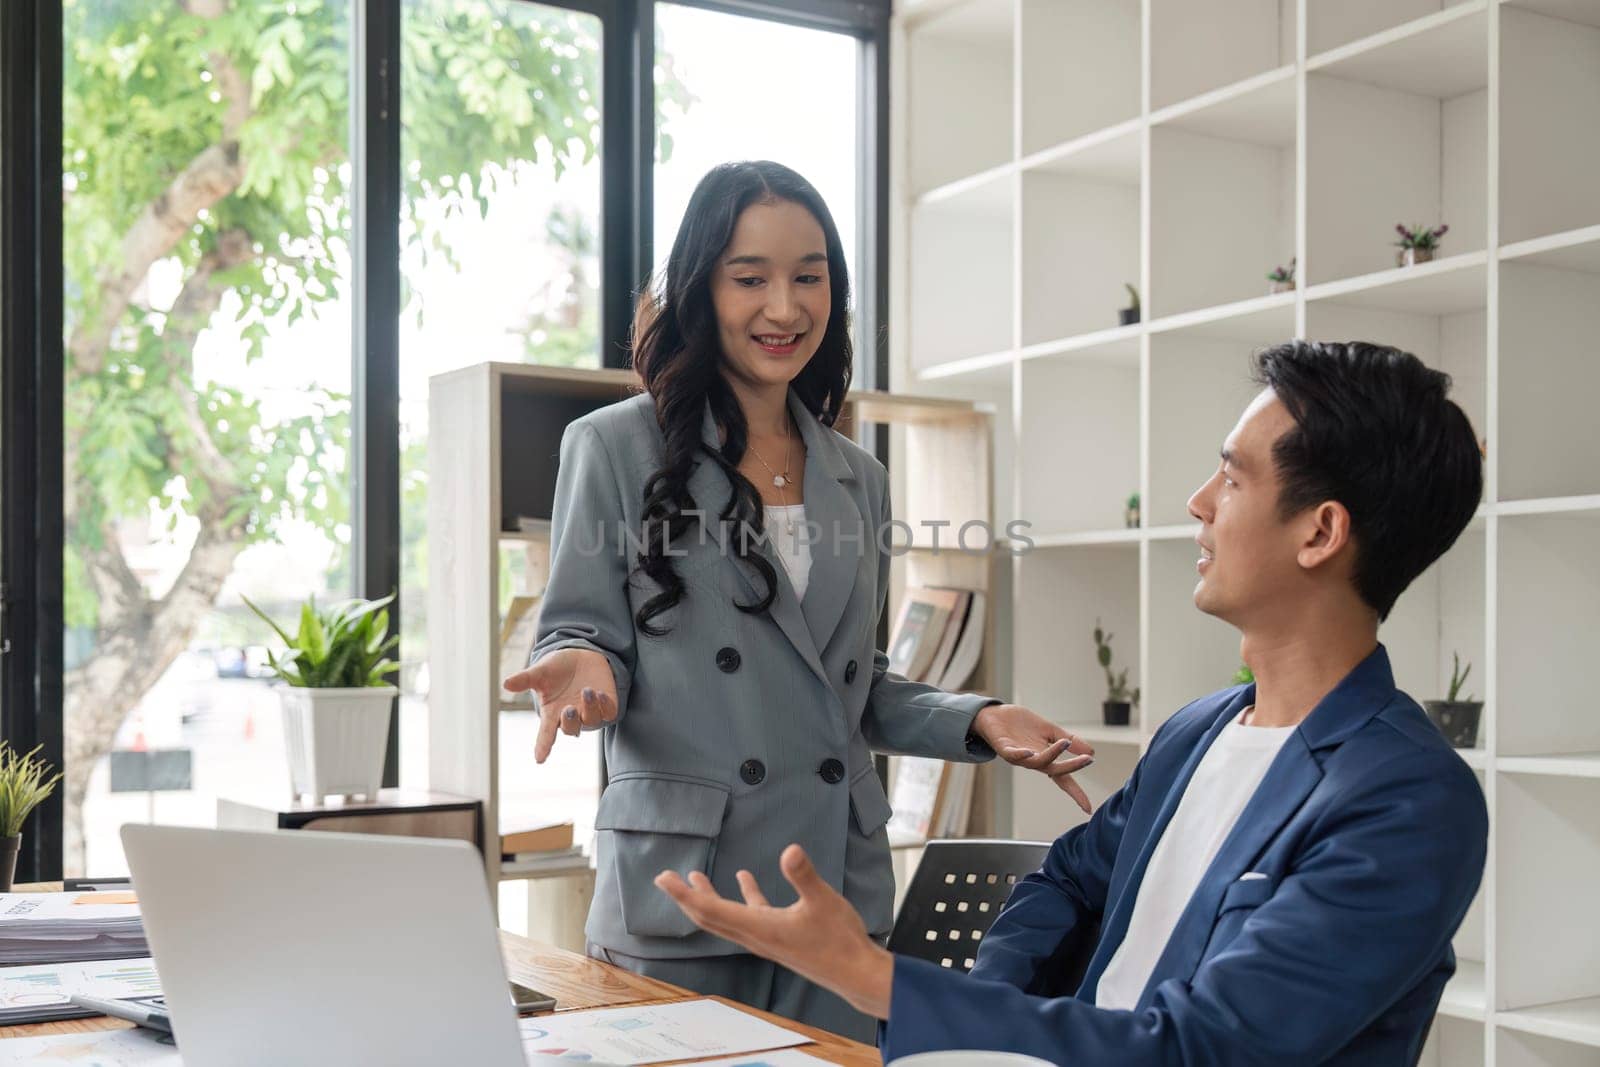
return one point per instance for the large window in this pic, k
(262, 260)
(206, 263)
(500, 259)
(737, 88)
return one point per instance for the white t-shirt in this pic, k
(1223, 784)
(786, 527)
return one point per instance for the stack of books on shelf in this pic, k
(938, 639)
(519, 631)
(540, 850)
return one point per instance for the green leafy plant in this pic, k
(1458, 678)
(1117, 691)
(1133, 295)
(340, 647)
(1282, 274)
(25, 781)
(1244, 675)
(1422, 237)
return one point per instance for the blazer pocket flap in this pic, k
(871, 807)
(1247, 893)
(662, 806)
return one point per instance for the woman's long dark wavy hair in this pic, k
(678, 355)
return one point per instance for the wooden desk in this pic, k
(575, 981)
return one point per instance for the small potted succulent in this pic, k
(1130, 512)
(1244, 675)
(1417, 243)
(337, 703)
(1457, 719)
(1282, 278)
(1130, 314)
(25, 781)
(1119, 701)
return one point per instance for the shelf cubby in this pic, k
(1514, 1048)
(1080, 239)
(1078, 451)
(962, 309)
(1197, 46)
(1547, 849)
(1334, 24)
(1222, 197)
(1453, 1043)
(1549, 139)
(1080, 68)
(1547, 618)
(1440, 614)
(1549, 376)
(1056, 672)
(1397, 133)
(961, 126)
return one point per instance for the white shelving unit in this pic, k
(1188, 147)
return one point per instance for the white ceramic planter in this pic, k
(337, 739)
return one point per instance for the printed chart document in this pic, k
(787, 1057)
(39, 992)
(108, 1048)
(653, 1033)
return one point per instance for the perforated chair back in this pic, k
(955, 895)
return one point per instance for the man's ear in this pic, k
(1326, 534)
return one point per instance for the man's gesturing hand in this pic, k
(819, 936)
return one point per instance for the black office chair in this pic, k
(955, 895)
(959, 888)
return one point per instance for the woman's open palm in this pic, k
(574, 688)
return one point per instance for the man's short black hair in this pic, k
(1375, 431)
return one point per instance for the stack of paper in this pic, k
(41, 992)
(69, 927)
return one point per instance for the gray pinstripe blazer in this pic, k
(737, 734)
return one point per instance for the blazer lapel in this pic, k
(1115, 927)
(835, 518)
(711, 492)
(1294, 773)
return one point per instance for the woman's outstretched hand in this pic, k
(574, 688)
(1027, 739)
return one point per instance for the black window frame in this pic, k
(31, 306)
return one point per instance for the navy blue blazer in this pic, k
(1320, 933)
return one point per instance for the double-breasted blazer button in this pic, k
(753, 771)
(832, 771)
(849, 672)
(727, 659)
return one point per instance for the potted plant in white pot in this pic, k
(25, 781)
(1457, 719)
(1118, 705)
(337, 702)
(1417, 244)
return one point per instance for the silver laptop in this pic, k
(292, 947)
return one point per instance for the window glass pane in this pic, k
(207, 390)
(500, 256)
(730, 87)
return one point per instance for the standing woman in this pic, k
(716, 578)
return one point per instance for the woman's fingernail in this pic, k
(588, 694)
(570, 712)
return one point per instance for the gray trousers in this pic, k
(754, 981)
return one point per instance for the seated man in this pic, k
(1279, 880)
